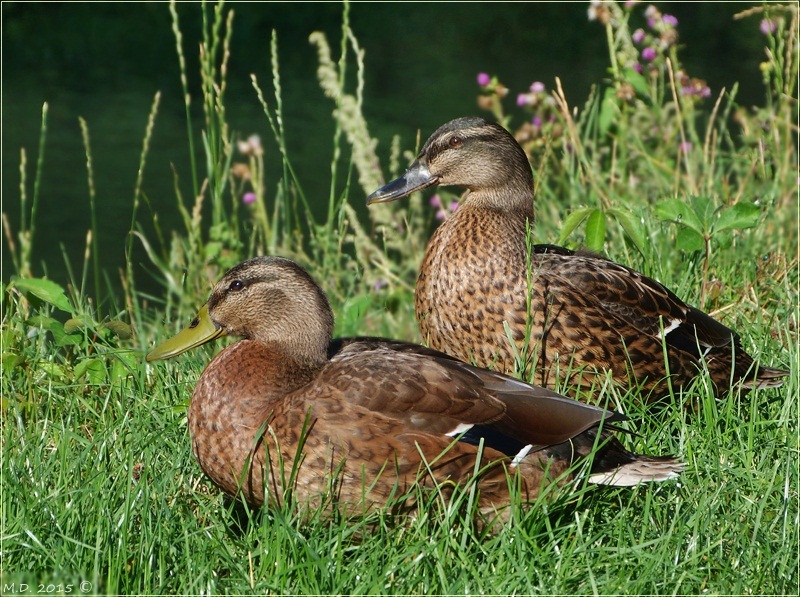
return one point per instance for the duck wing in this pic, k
(637, 301)
(432, 392)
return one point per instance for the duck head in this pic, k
(269, 300)
(468, 152)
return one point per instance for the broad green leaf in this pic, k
(676, 210)
(51, 369)
(94, 369)
(129, 358)
(736, 217)
(40, 321)
(61, 337)
(596, 230)
(689, 240)
(572, 221)
(45, 290)
(632, 225)
(119, 371)
(706, 211)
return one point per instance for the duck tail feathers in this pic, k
(641, 469)
(766, 377)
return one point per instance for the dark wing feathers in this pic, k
(641, 302)
(433, 392)
(493, 438)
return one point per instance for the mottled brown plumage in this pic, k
(547, 312)
(362, 415)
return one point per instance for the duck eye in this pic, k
(236, 285)
(456, 141)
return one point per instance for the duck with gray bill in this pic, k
(554, 315)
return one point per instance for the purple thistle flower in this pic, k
(537, 87)
(379, 284)
(669, 20)
(649, 54)
(484, 79)
(454, 205)
(685, 147)
(704, 91)
(651, 22)
(637, 67)
(249, 198)
(435, 200)
(768, 26)
(638, 36)
(537, 121)
(522, 99)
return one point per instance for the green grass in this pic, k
(99, 484)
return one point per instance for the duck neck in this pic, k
(300, 363)
(303, 342)
(513, 199)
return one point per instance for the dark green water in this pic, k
(105, 62)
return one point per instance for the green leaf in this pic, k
(572, 221)
(609, 110)
(51, 369)
(10, 360)
(45, 290)
(596, 230)
(676, 210)
(40, 321)
(706, 211)
(724, 239)
(129, 358)
(351, 313)
(61, 337)
(119, 371)
(689, 240)
(212, 250)
(736, 217)
(637, 80)
(94, 369)
(633, 227)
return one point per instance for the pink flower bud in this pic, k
(768, 26)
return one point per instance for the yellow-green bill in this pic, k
(199, 331)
